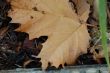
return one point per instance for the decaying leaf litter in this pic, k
(51, 33)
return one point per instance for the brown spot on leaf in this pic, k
(31, 17)
(35, 8)
(43, 12)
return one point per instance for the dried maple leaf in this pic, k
(67, 37)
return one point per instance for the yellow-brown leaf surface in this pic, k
(82, 8)
(67, 37)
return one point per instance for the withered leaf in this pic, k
(67, 37)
